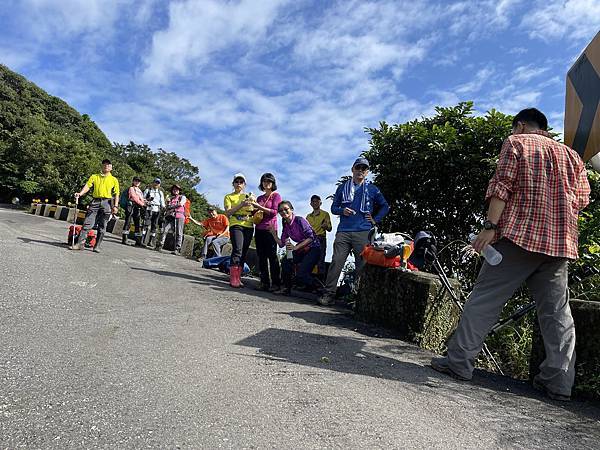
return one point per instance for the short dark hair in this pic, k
(212, 208)
(533, 117)
(315, 197)
(106, 161)
(268, 177)
(285, 202)
(136, 178)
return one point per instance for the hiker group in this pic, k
(534, 199)
(359, 204)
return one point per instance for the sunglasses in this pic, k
(361, 167)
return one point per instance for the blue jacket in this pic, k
(358, 221)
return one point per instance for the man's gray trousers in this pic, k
(546, 278)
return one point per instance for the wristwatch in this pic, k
(487, 225)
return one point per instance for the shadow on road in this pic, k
(501, 396)
(37, 241)
(343, 319)
(338, 353)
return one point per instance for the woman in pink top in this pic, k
(135, 203)
(266, 247)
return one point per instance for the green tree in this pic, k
(434, 171)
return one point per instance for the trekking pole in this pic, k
(74, 222)
(446, 283)
(516, 316)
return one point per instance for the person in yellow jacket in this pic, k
(320, 221)
(105, 200)
(238, 208)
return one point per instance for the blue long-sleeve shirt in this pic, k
(358, 222)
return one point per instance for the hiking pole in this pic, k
(515, 317)
(74, 222)
(446, 283)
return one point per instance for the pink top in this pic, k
(136, 195)
(269, 218)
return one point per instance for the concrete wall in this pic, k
(587, 348)
(413, 304)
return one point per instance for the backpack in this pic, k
(188, 210)
(124, 199)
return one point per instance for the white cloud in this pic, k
(526, 73)
(15, 59)
(199, 29)
(50, 19)
(475, 85)
(571, 20)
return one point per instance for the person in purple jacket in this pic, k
(266, 247)
(361, 206)
(305, 253)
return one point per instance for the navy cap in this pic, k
(362, 161)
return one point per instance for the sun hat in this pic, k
(239, 175)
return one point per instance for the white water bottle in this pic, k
(491, 255)
(288, 254)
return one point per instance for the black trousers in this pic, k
(241, 237)
(268, 262)
(97, 213)
(133, 211)
(304, 262)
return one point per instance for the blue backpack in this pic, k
(124, 199)
(222, 263)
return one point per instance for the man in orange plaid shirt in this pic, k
(534, 199)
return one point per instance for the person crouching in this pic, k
(305, 253)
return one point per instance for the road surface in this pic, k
(130, 348)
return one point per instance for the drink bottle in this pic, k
(288, 253)
(491, 255)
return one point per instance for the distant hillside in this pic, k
(48, 149)
(45, 144)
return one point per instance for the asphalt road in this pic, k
(130, 348)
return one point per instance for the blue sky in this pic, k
(288, 86)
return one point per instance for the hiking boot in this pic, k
(275, 288)
(441, 365)
(176, 253)
(124, 239)
(263, 287)
(326, 300)
(539, 386)
(96, 250)
(77, 246)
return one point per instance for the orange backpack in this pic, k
(188, 210)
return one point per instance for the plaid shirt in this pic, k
(544, 184)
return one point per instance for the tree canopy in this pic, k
(434, 172)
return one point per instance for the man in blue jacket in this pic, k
(355, 202)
